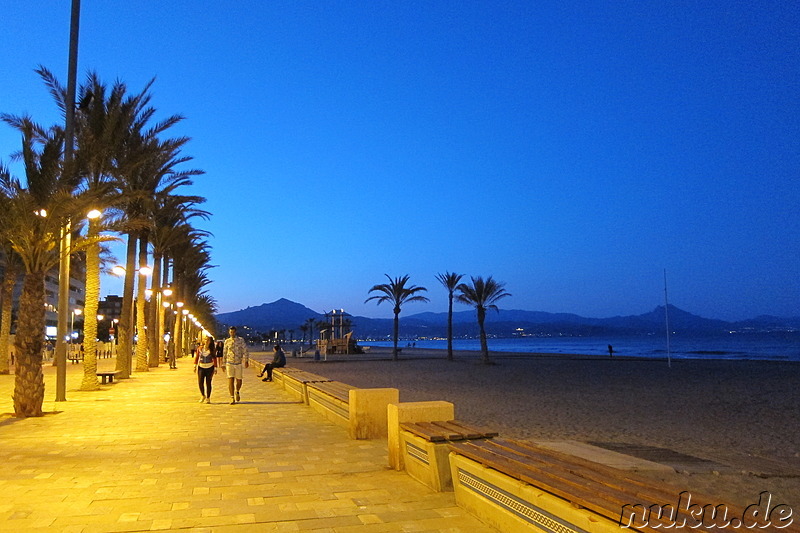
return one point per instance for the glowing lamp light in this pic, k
(93, 214)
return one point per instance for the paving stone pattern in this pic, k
(143, 455)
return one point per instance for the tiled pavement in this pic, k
(143, 455)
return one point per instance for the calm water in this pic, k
(776, 347)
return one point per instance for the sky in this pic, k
(576, 151)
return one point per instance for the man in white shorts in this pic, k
(234, 353)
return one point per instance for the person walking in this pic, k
(278, 361)
(205, 366)
(234, 353)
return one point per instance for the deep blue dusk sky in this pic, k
(574, 150)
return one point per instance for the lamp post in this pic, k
(65, 246)
(72, 334)
(166, 292)
(177, 335)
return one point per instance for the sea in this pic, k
(780, 346)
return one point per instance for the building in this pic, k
(77, 294)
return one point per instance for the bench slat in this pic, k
(467, 431)
(485, 432)
(425, 430)
(452, 430)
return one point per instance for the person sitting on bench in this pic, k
(278, 361)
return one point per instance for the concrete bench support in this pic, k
(369, 412)
(400, 413)
(426, 449)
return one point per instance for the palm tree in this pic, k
(191, 258)
(13, 267)
(32, 221)
(143, 162)
(12, 270)
(450, 282)
(396, 293)
(310, 323)
(101, 128)
(170, 227)
(482, 294)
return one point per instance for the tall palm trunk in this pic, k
(395, 332)
(124, 326)
(90, 311)
(7, 296)
(450, 329)
(154, 325)
(177, 345)
(29, 380)
(141, 331)
(484, 344)
(162, 311)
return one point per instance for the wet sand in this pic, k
(742, 416)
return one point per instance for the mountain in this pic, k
(285, 314)
(280, 314)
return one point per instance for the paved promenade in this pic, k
(142, 455)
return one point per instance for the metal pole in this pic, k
(66, 245)
(63, 310)
(666, 318)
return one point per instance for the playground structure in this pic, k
(337, 337)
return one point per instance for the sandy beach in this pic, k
(739, 419)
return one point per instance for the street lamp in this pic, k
(65, 242)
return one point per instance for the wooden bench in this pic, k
(279, 373)
(331, 399)
(296, 382)
(513, 485)
(75, 359)
(426, 453)
(107, 376)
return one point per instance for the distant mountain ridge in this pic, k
(285, 314)
(280, 314)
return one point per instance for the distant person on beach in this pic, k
(235, 353)
(278, 361)
(205, 365)
(610, 351)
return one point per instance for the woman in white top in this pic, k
(205, 365)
